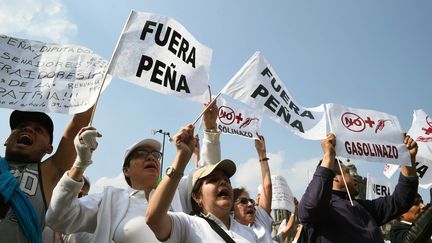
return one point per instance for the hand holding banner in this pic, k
(367, 135)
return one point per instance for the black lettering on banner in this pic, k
(272, 104)
(381, 190)
(421, 170)
(177, 44)
(229, 130)
(162, 74)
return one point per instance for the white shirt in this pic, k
(194, 229)
(263, 226)
(133, 227)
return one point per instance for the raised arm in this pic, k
(211, 149)
(66, 213)
(266, 195)
(54, 167)
(157, 217)
(412, 148)
(285, 231)
(316, 199)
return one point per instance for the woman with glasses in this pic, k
(115, 215)
(256, 215)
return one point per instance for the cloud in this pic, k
(37, 19)
(297, 174)
(117, 181)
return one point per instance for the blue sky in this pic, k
(364, 54)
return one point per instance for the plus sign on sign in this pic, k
(367, 135)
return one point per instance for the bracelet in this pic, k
(264, 159)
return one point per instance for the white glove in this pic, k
(84, 148)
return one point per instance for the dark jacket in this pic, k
(328, 216)
(419, 231)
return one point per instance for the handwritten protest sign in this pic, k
(367, 135)
(282, 196)
(258, 85)
(37, 76)
(158, 53)
(237, 120)
(376, 188)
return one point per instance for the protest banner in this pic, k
(367, 135)
(158, 53)
(258, 85)
(37, 76)
(282, 196)
(421, 132)
(237, 120)
(376, 188)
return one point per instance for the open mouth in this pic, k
(224, 193)
(250, 211)
(150, 165)
(25, 139)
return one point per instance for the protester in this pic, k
(326, 212)
(415, 225)
(115, 214)
(212, 199)
(285, 227)
(25, 180)
(48, 235)
(246, 211)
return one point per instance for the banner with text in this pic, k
(258, 85)
(237, 120)
(367, 135)
(376, 188)
(158, 53)
(282, 196)
(421, 132)
(37, 76)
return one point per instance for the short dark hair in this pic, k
(196, 209)
(17, 117)
(236, 194)
(126, 165)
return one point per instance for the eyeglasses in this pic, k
(245, 200)
(145, 154)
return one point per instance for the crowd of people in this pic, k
(202, 206)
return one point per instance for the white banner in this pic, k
(37, 76)
(158, 53)
(282, 196)
(237, 120)
(421, 132)
(367, 135)
(376, 188)
(390, 169)
(258, 85)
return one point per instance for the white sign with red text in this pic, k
(257, 84)
(421, 132)
(158, 53)
(367, 135)
(237, 120)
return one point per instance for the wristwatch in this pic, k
(171, 172)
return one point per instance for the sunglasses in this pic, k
(245, 201)
(145, 154)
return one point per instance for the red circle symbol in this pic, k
(226, 115)
(353, 122)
